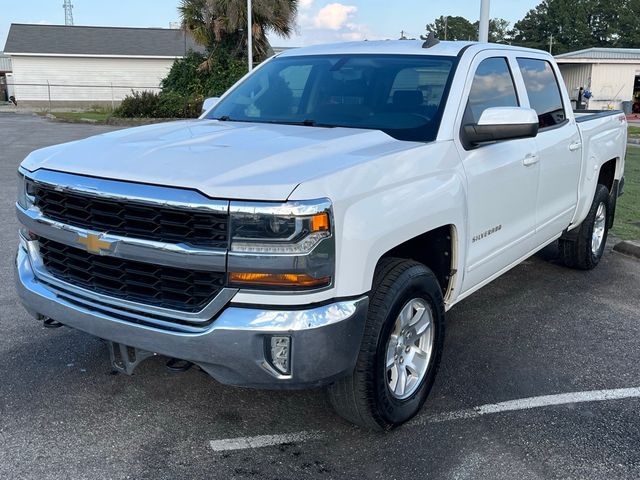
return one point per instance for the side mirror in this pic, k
(501, 123)
(209, 103)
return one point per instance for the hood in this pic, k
(220, 159)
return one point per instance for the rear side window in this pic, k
(543, 90)
(492, 87)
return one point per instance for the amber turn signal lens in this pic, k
(278, 279)
(320, 222)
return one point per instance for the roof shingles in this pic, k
(107, 41)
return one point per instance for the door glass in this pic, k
(543, 90)
(492, 87)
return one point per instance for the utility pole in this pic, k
(446, 24)
(551, 43)
(250, 34)
(68, 12)
(483, 34)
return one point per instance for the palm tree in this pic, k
(222, 23)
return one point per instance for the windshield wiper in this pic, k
(304, 123)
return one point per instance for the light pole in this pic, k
(249, 35)
(483, 34)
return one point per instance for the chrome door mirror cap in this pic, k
(499, 124)
(508, 116)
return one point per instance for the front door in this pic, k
(502, 181)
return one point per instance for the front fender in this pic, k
(381, 204)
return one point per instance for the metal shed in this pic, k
(612, 75)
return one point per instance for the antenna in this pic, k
(429, 41)
(68, 12)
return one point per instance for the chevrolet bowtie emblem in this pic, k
(94, 243)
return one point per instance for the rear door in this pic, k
(501, 185)
(558, 144)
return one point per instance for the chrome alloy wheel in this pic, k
(409, 349)
(598, 228)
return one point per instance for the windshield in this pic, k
(401, 95)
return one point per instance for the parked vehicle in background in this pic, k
(314, 225)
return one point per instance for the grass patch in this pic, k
(99, 117)
(627, 224)
(633, 130)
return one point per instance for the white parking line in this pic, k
(244, 443)
(535, 402)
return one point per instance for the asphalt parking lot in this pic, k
(568, 339)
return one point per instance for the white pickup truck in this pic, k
(314, 225)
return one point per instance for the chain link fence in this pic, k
(51, 95)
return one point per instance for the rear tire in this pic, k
(585, 251)
(403, 341)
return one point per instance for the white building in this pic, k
(81, 66)
(612, 75)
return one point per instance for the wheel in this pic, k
(400, 351)
(585, 251)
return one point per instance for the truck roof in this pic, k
(395, 47)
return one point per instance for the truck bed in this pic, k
(586, 115)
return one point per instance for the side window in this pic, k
(543, 90)
(492, 87)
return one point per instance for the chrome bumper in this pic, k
(325, 339)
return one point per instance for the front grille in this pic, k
(168, 287)
(127, 219)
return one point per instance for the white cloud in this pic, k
(334, 16)
(354, 32)
(335, 22)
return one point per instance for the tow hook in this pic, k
(51, 323)
(125, 359)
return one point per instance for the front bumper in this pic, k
(325, 340)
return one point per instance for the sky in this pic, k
(319, 21)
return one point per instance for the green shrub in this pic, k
(159, 105)
(187, 78)
(138, 104)
(185, 87)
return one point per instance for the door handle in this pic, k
(530, 159)
(574, 146)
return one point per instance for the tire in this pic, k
(365, 397)
(580, 253)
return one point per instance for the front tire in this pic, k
(400, 351)
(585, 251)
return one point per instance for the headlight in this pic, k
(289, 245)
(25, 192)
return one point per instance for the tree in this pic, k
(499, 30)
(459, 28)
(573, 24)
(453, 28)
(628, 33)
(222, 24)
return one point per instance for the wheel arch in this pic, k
(438, 250)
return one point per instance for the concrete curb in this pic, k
(628, 247)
